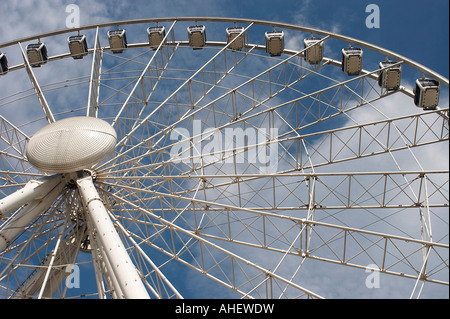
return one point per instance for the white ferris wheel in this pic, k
(144, 159)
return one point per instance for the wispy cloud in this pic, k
(28, 17)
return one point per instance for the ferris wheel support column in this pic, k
(124, 271)
(33, 190)
(29, 213)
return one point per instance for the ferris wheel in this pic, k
(220, 158)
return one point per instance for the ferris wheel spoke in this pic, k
(31, 254)
(50, 278)
(195, 110)
(315, 241)
(188, 114)
(324, 103)
(94, 82)
(371, 139)
(186, 84)
(375, 250)
(341, 107)
(177, 94)
(155, 276)
(373, 245)
(248, 167)
(209, 263)
(145, 87)
(14, 138)
(338, 145)
(19, 258)
(37, 88)
(23, 218)
(158, 55)
(368, 190)
(112, 93)
(115, 92)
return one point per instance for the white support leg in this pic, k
(22, 219)
(108, 239)
(33, 190)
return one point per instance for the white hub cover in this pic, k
(71, 144)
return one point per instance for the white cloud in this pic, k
(22, 18)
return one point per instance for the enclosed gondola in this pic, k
(117, 40)
(313, 50)
(3, 64)
(352, 60)
(78, 46)
(236, 32)
(390, 75)
(37, 54)
(426, 93)
(197, 36)
(275, 43)
(156, 36)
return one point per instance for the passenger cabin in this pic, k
(390, 77)
(3, 64)
(426, 94)
(197, 36)
(78, 46)
(275, 43)
(352, 60)
(236, 32)
(37, 54)
(156, 36)
(117, 40)
(314, 50)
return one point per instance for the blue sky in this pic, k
(416, 29)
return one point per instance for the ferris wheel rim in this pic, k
(337, 36)
(218, 44)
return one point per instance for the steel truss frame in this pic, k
(203, 215)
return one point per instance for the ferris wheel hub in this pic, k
(71, 144)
